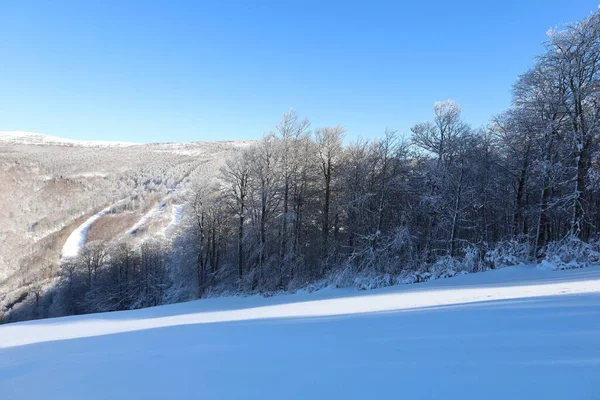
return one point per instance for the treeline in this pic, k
(103, 277)
(299, 203)
(111, 278)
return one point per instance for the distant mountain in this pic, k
(51, 186)
(41, 139)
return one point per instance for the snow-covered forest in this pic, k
(53, 188)
(304, 208)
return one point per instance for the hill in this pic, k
(518, 332)
(51, 186)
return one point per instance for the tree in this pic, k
(575, 54)
(329, 145)
(236, 173)
(439, 137)
(445, 139)
(290, 136)
(263, 184)
(93, 256)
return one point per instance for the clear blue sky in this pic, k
(190, 70)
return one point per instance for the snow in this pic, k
(76, 239)
(38, 139)
(154, 213)
(519, 332)
(176, 216)
(147, 217)
(188, 149)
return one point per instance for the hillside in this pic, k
(51, 186)
(519, 332)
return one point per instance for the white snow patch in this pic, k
(176, 215)
(77, 238)
(154, 211)
(89, 175)
(40, 139)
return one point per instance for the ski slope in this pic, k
(515, 333)
(77, 238)
(176, 216)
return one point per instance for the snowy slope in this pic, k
(77, 238)
(176, 216)
(39, 139)
(156, 213)
(516, 333)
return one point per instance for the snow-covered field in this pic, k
(515, 333)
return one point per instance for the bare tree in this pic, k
(439, 136)
(291, 133)
(236, 173)
(329, 145)
(575, 54)
(92, 257)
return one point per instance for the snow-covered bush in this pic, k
(571, 253)
(507, 253)
(443, 267)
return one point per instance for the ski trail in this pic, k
(77, 238)
(176, 215)
(155, 212)
(146, 217)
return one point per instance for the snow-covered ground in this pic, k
(150, 215)
(40, 139)
(156, 213)
(176, 216)
(77, 238)
(515, 333)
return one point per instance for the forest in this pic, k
(303, 208)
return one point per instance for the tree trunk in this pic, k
(455, 214)
(326, 205)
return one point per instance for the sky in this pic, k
(149, 71)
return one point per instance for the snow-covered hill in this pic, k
(21, 137)
(517, 333)
(54, 191)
